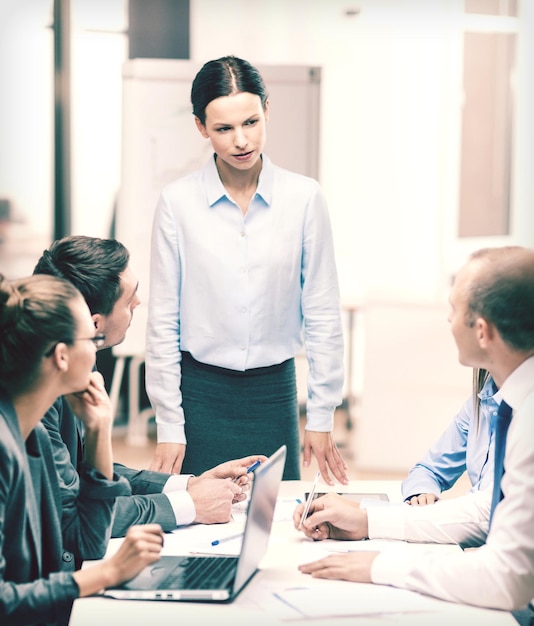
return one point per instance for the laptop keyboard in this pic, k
(201, 573)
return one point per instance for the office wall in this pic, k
(26, 78)
(412, 383)
(158, 29)
(99, 47)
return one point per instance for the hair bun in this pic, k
(12, 304)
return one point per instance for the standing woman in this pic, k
(242, 274)
(47, 349)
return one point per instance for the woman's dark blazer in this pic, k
(36, 563)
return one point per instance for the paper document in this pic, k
(282, 513)
(315, 550)
(221, 539)
(358, 599)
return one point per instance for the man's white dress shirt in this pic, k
(499, 574)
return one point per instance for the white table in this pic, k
(256, 605)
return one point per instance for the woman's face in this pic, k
(235, 125)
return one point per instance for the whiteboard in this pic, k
(161, 143)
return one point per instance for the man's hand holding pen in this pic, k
(250, 469)
(239, 470)
(216, 490)
(332, 517)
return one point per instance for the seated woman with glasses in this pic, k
(47, 349)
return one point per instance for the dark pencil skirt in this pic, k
(231, 414)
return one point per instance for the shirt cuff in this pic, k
(382, 522)
(176, 482)
(170, 433)
(183, 507)
(391, 568)
(319, 422)
(415, 488)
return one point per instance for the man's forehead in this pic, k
(128, 280)
(461, 281)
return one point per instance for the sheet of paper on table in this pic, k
(361, 599)
(347, 599)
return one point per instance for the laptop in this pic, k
(211, 578)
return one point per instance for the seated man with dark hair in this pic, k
(99, 268)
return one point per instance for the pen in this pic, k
(311, 496)
(250, 468)
(216, 542)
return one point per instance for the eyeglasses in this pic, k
(98, 340)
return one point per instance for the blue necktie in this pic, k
(502, 422)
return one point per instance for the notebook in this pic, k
(211, 578)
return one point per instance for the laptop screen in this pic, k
(260, 514)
